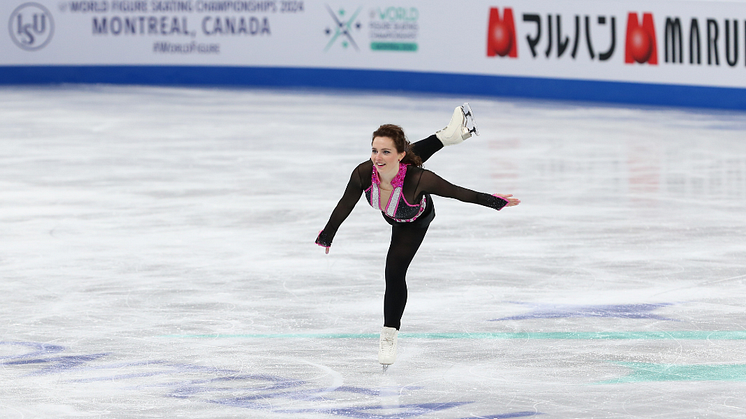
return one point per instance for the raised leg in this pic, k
(461, 127)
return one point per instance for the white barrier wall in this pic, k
(700, 44)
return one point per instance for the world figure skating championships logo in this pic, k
(342, 28)
(31, 26)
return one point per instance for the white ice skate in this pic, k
(387, 348)
(461, 127)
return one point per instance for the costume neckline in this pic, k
(397, 181)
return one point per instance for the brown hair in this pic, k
(401, 143)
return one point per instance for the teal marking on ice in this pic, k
(644, 372)
(679, 335)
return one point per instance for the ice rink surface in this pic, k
(157, 259)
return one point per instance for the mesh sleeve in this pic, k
(436, 185)
(343, 209)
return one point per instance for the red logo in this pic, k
(641, 44)
(501, 38)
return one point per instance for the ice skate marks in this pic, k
(255, 390)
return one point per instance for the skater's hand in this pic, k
(323, 241)
(509, 197)
(326, 248)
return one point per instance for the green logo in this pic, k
(393, 46)
(394, 29)
(398, 14)
(343, 27)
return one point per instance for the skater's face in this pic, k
(384, 155)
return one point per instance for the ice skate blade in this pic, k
(385, 368)
(470, 123)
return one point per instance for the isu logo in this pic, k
(31, 26)
(501, 39)
(641, 46)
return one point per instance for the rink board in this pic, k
(460, 84)
(681, 53)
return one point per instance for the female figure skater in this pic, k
(395, 183)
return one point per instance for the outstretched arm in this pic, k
(343, 209)
(436, 185)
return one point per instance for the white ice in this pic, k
(157, 259)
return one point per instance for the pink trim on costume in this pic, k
(423, 206)
(407, 202)
(397, 183)
(504, 199)
(319, 244)
(375, 182)
(374, 176)
(395, 192)
(375, 196)
(398, 180)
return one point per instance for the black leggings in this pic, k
(406, 239)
